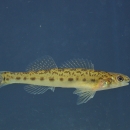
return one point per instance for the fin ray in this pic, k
(35, 89)
(84, 95)
(43, 63)
(78, 63)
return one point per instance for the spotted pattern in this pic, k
(61, 79)
(41, 78)
(18, 78)
(51, 79)
(70, 79)
(71, 75)
(24, 78)
(84, 79)
(32, 78)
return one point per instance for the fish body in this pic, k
(67, 78)
(80, 74)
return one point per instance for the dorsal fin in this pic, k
(43, 63)
(78, 63)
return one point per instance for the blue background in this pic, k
(98, 30)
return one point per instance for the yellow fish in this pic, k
(44, 74)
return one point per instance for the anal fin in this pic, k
(35, 89)
(84, 95)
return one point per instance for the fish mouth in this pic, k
(121, 85)
(128, 79)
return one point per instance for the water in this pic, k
(97, 30)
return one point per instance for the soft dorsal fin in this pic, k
(78, 63)
(43, 63)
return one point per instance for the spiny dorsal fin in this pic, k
(78, 63)
(43, 63)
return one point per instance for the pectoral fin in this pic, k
(84, 95)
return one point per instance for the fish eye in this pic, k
(120, 78)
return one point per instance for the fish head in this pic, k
(118, 80)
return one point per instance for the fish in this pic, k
(43, 74)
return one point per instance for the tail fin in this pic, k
(2, 81)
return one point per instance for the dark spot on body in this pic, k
(7, 78)
(84, 79)
(93, 80)
(45, 71)
(67, 72)
(61, 79)
(18, 78)
(77, 78)
(70, 79)
(54, 73)
(72, 73)
(86, 72)
(78, 71)
(32, 78)
(41, 78)
(24, 78)
(82, 74)
(51, 79)
(105, 76)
